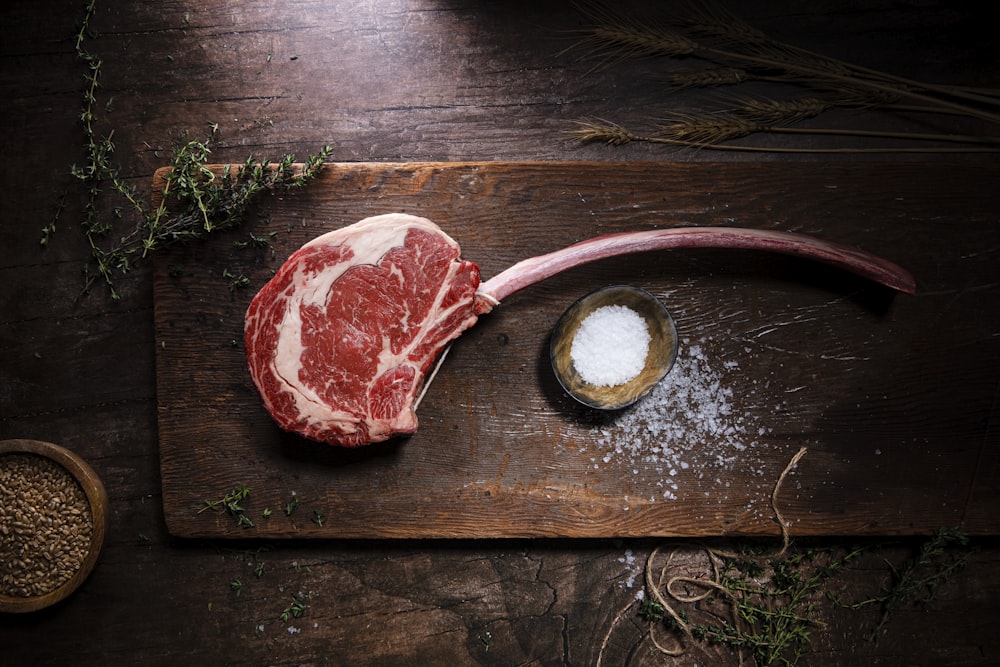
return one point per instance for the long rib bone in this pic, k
(536, 269)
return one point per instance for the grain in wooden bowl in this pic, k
(632, 345)
(53, 521)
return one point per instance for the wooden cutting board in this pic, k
(894, 397)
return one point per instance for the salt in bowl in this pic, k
(659, 357)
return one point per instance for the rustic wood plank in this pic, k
(457, 81)
(892, 396)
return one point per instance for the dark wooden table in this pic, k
(444, 81)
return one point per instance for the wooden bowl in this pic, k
(97, 499)
(659, 359)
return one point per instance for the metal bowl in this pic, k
(97, 501)
(659, 359)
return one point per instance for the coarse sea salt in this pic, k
(687, 425)
(610, 346)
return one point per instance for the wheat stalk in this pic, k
(705, 129)
(710, 19)
(618, 37)
(877, 86)
(718, 127)
(709, 77)
(692, 131)
(778, 112)
(605, 132)
(615, 34)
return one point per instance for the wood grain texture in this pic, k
(445, 80)
(893, 396)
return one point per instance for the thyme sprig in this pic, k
(764, 604)
(232, 504)
(765, 607)
(196, 201)
(916, 581)
(296, 609)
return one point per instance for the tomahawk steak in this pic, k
(340, 340)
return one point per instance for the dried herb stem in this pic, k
(713, 20)
(916, 581)
(769, 602)
(769, 598)
(710, 77)
(848, 79)
(699, 136)
(202, 202)
(774, 117)
(778, 112)
(644, 42)
(954, 138)
(738, 53)
(232, 504)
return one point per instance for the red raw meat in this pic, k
(339, 341)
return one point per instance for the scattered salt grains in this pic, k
(611, 345)
(633, 568)
(689, 420)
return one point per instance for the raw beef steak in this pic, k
(340, 339)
